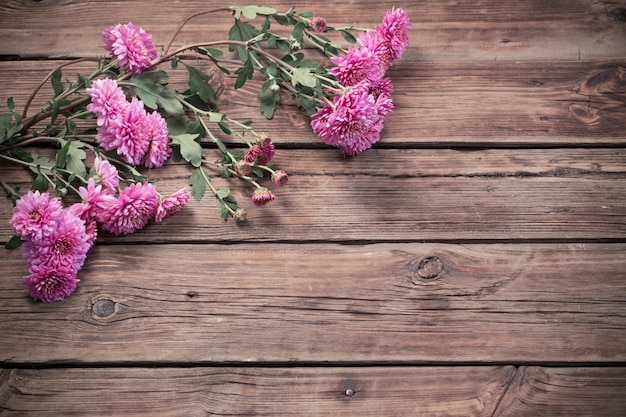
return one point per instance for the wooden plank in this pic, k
(167, 392)
(436, 103)
(442, 30)
(279, 303)
(406, 195)
(381, 391)
(565, 392)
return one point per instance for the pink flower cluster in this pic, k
(57, 239)
(141, 138)
(354, 119)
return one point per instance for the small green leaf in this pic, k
(304, 77)
(11, 104)
(222, 193)
(198, 186)
(250, 12)
(215, 117)
(190, 149)
(244, 73)
(40, 184)
(199, 84)
(348, 36)
(13, 243)
(267, 100)
(55, 79)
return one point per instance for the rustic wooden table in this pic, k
(473, 263)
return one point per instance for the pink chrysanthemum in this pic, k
(130, 211)
(128, 134)
(158, 149)
(261, 154)
(262, 196)
(35, 215)
(91, 196)
(318, 24)
(172, 204)
(49, 284)
(107, 100)
(357, 65)
(131, 45)
(348, 122)
(65, 247)
(395, 32)
(105, 174)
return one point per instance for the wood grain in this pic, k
(274, 303)
(442, 30)
(437, 104)
(167, 392)
(407, 195)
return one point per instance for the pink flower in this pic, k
(128, 134)
(34, 216)
(318, 24)
(262, 196)
(91, 196)
(105, 175)
(261, 154)
(159, 149)
(130, 211)
(357, 65)
(50, 284)
(347, 124)
(395, 32)
(131, 45)
(66, 247)
(172, 204)
(107, 100)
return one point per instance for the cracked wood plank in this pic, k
(279, 303)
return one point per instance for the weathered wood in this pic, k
(168, 392)
(442, 30)
(565, 392)
(383, 303)
(437, 103)
(407, 195)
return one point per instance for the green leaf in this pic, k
(304, 77)
(348, 36)
(250, 12)
(215, 117)
(55, 79)
(151, 88)
(75, 159)
(244, 73)
(190, 149)
(13, 243)
(40, 184)
(198, 186)
(11, 104)
(41, 163)
(267, 100)
(222, 193)
(199, 84)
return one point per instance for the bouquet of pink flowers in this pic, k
(140, 122)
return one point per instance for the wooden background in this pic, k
(472, 264)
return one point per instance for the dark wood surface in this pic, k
(472, 264)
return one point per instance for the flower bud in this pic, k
(274, 88)
(280, 178)
(240, 215)
(263, 140)
(243, 168)
(318, 24)
(262, 196)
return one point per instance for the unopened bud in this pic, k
(240, 215)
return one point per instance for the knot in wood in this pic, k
(104, 308)
(430, 268)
